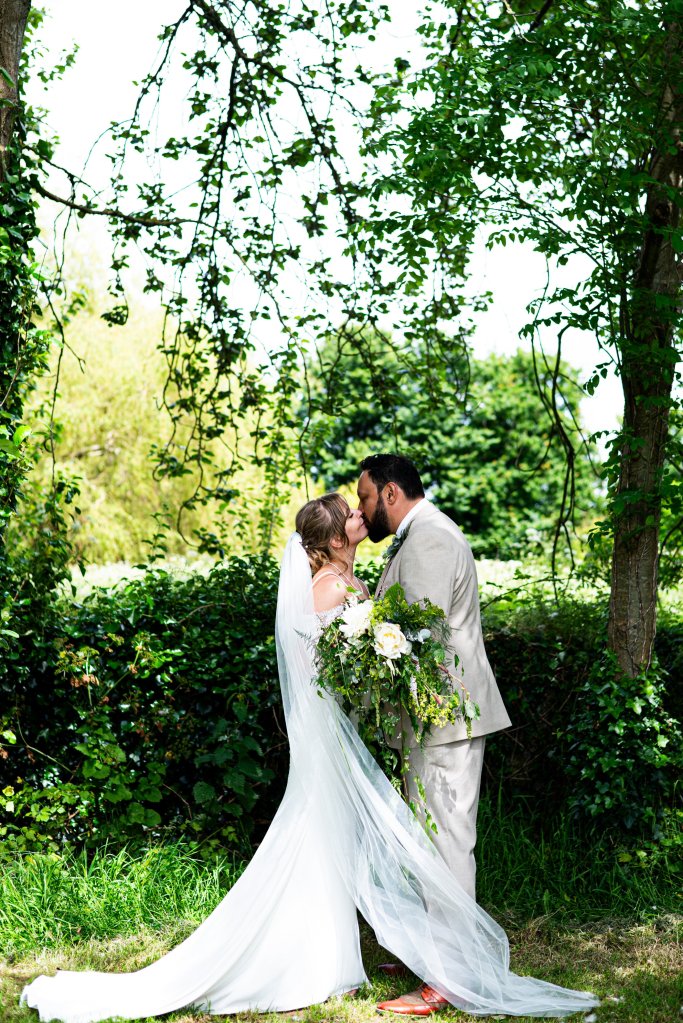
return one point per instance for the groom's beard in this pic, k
(379, 527)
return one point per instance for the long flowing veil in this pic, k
(390, 867)
(286, 934)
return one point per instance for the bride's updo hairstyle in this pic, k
(319, 522)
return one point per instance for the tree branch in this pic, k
(105, 211)
(540, 17)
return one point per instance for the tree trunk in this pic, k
(15, 224)
(649, 320)
(13, 16)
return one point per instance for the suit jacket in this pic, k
(436, 561)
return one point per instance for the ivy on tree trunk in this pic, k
(13, 17)
(648, 360)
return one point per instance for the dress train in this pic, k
(285, 936)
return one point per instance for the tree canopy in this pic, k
(302, 195)
(559, 124)
(490, 455)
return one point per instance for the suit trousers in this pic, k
(451, 776)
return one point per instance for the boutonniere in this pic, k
(395, 545)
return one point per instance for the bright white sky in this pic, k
(117, 46)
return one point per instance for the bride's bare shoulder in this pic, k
(328, 590)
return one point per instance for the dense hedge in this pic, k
(154, 706)
(585, 738)
(154, 709)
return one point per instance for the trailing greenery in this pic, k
(379, 655)
(153, 710)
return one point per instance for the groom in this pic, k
(431, 558)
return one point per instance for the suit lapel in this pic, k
(390, 572)
(425, 509)
(380, 584)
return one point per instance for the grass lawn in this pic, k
(636, 968)
(574, 914)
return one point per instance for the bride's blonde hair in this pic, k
(319, 522)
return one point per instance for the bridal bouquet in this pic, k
(379, 655)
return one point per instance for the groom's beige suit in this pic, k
(436, 561)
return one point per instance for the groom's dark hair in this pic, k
(383, 469)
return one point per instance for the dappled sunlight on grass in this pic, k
(635, 968)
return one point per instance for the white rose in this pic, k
(355, 619)
(390, 641)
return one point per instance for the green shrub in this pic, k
(152, 707)
(585, 739)
(669, 647)
(152, 711)
(624, 749)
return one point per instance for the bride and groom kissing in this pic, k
(429, 557)
(343, 841)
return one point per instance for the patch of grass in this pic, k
(525, 871)
(600, 932)
(52, 902)
(636, 969)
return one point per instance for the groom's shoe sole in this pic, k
(401, 1008)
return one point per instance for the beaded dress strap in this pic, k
(323, 574)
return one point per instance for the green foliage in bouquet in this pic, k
(379, 656)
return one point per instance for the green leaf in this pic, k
(9, 448)
(203, 792)
(20, 433)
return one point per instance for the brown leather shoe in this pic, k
(433, 997)
(425, 1001)
(393, 969)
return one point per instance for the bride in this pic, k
(286, 934)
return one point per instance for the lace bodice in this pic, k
(325, 617)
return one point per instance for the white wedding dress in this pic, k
(286, 934)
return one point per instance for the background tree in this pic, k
(20, 349)
(559, 123)
(13, 18)
(107, 426)
(492, 458)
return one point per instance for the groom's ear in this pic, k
(391, 493)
